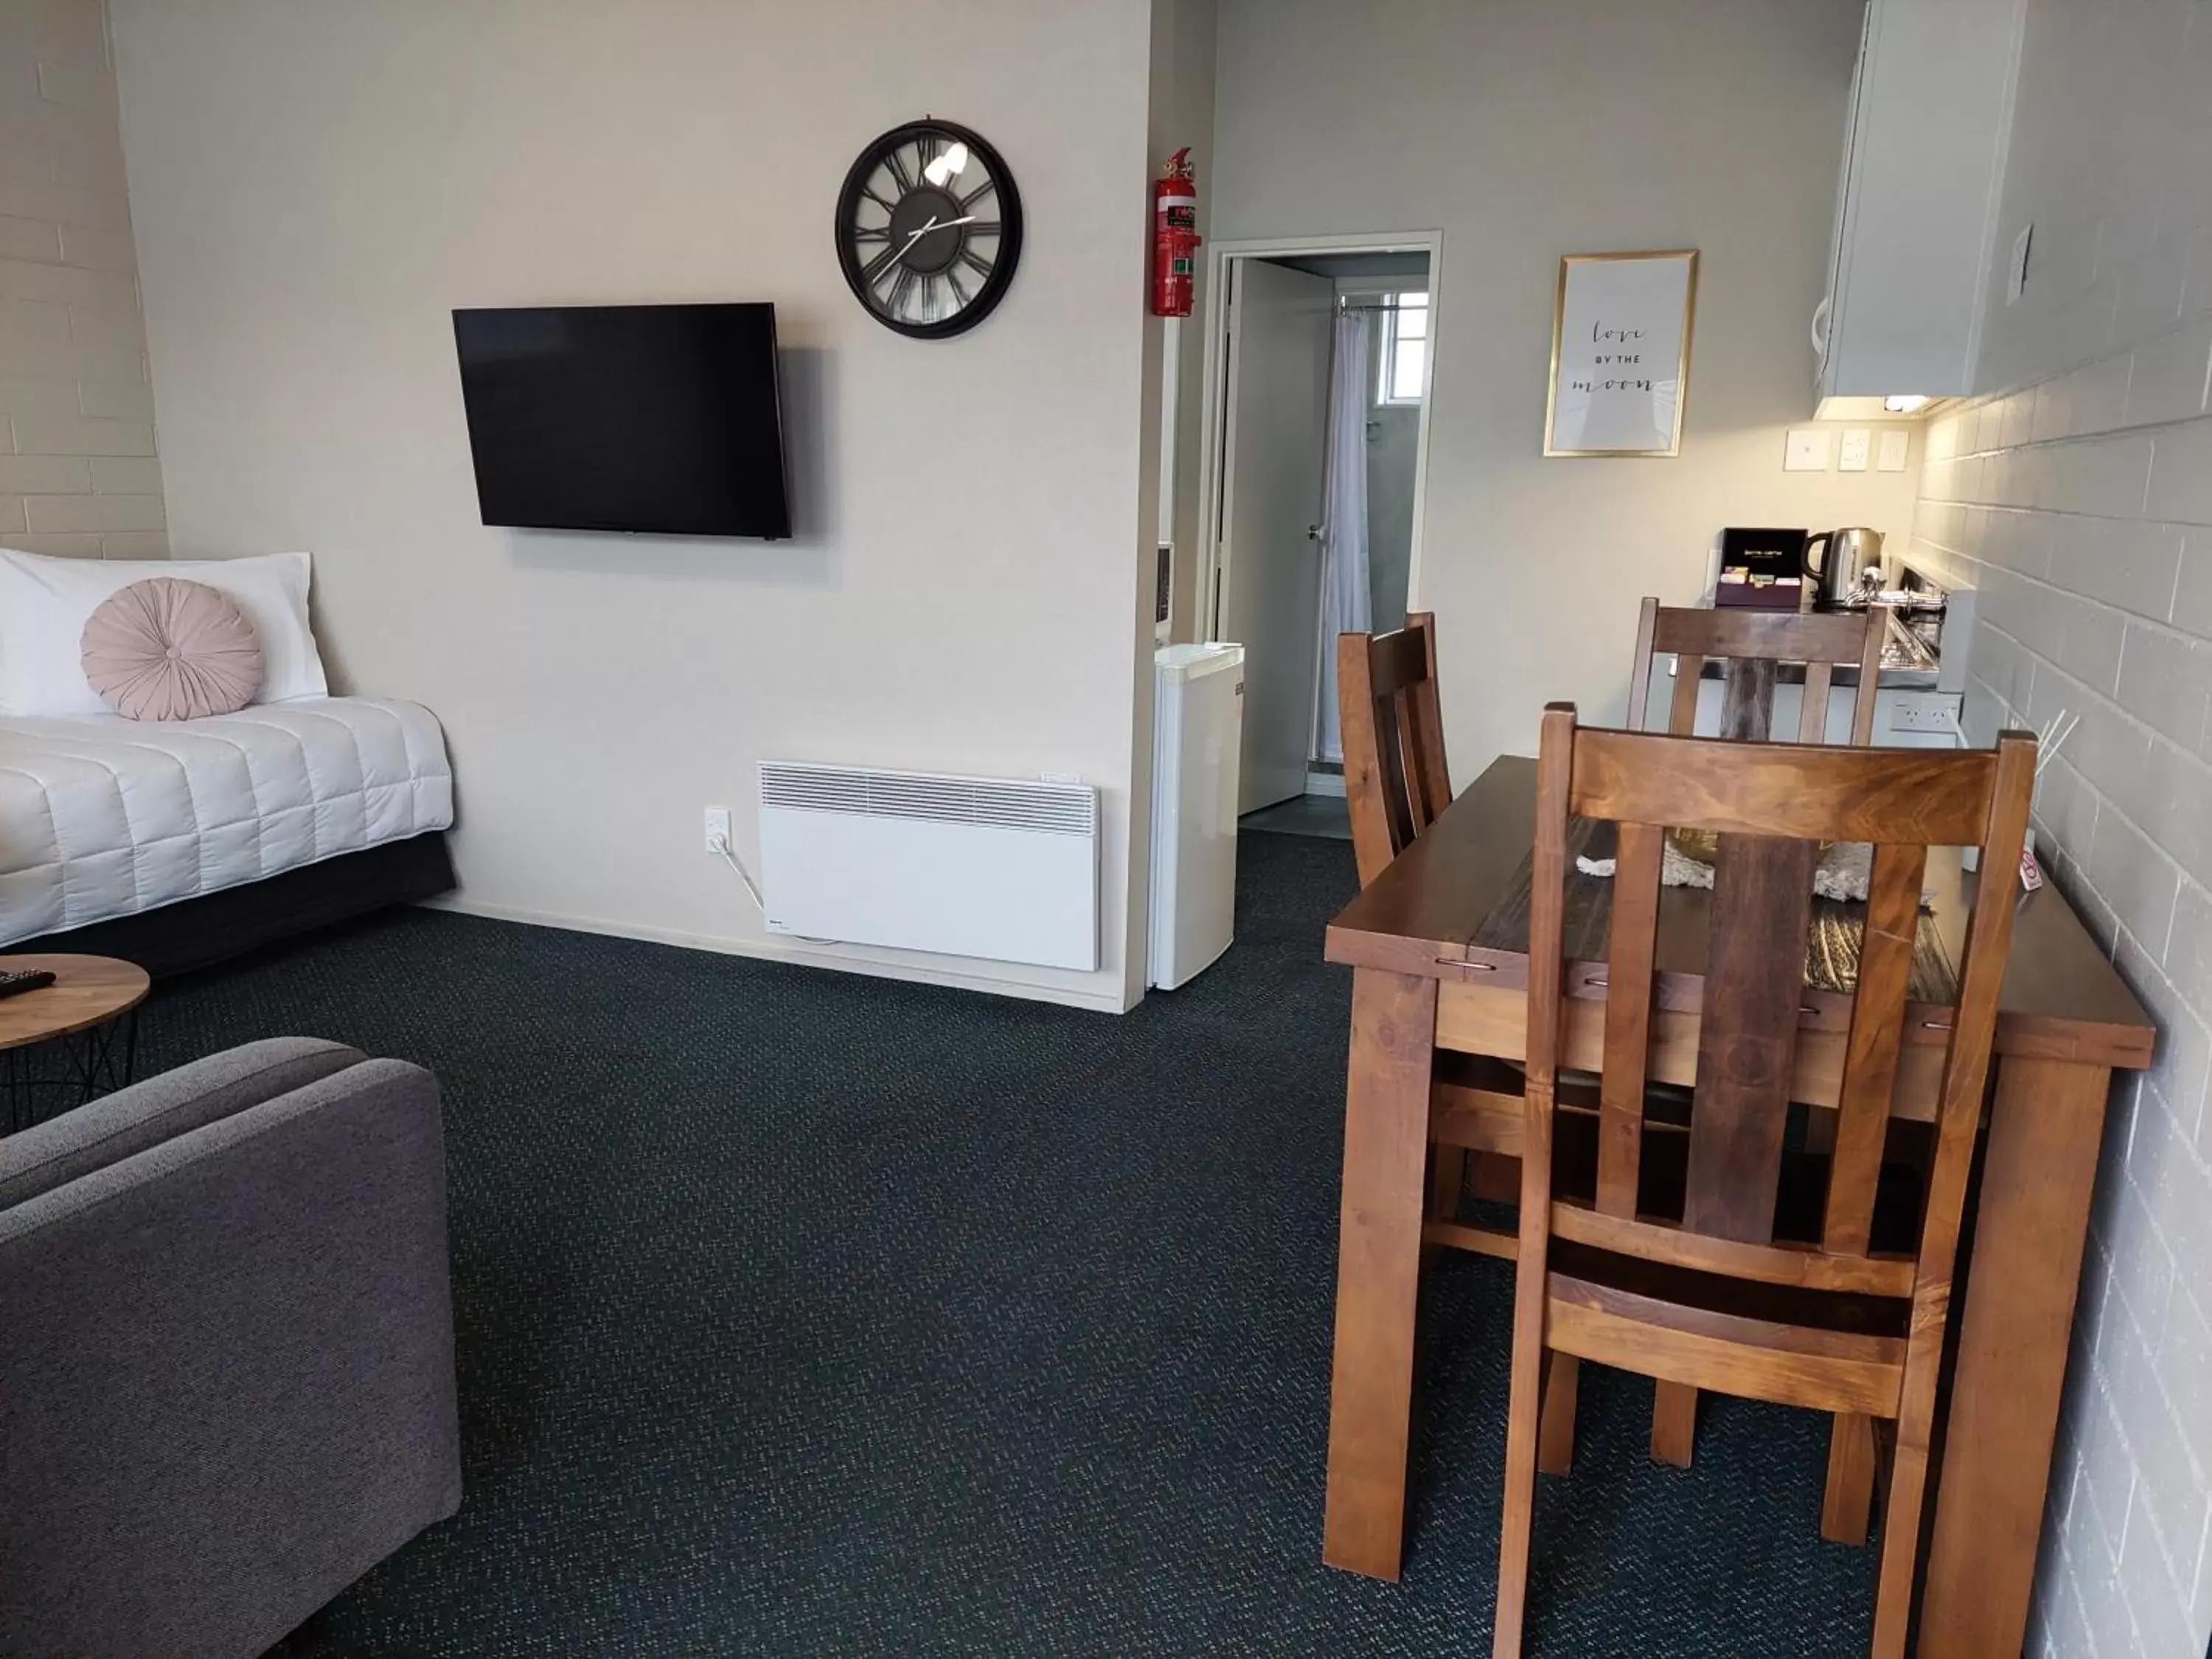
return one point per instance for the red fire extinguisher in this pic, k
(1175, 237)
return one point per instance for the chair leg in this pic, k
(1674, 1424)
(1908, 1490)
(1555, 1439)
(1846, 1503)
(1523, 1408)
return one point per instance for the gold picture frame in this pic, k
(1635, 300)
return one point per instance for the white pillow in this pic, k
(43, 604)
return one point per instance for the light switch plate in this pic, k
(1896, 445)
(1858, 445)
(1806, 451)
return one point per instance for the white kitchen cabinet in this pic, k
(1917, 211)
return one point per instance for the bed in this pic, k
(176, 844)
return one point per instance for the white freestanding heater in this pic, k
(1198, 727)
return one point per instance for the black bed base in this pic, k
(197, 932)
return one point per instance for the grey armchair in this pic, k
(226, 1352)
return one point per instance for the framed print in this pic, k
(1620, 354)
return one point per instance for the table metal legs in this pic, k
(68, 1071)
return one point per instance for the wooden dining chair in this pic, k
(1395, 782)
(1396, 785)
(1659, 1252)
(1754, 643)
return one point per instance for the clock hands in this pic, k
(931, 225)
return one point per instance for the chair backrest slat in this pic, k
(1762, 910)
(1754, 643)
(1394, 779)
(1893, 922)
(1630, 949)
(1772, 805)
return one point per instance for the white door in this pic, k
(1273, 454)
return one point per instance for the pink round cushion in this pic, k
(168, 650)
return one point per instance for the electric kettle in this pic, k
(1845, 553)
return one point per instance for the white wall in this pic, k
(317, 185)
(1524, 133)
(78, 475)
(2079, 498)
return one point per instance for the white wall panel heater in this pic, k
(992, 867)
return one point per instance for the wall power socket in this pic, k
(718, 829)
(1923, 711)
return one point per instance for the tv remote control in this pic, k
(35, 979)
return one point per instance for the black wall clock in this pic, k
(929, 229)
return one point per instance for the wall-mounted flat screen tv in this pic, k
(658, 419)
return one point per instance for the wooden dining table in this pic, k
(1438, 962)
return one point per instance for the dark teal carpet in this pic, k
(803, 1314)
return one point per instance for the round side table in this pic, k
(88, 1016)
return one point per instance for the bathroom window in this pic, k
(1403, 357)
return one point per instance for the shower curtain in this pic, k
(1344, 603)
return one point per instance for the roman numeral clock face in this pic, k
(929, 227)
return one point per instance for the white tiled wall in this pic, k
(2079, 499)
(77, 468)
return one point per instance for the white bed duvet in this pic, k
(102, 816)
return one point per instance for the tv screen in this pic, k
(662, 419)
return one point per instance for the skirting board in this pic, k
(768, 951)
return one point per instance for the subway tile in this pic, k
(29, 239)
(2104, 476)
(2112, 750)
(22, 279)
(2065, 810)
(124, 475)
(103, 248)
(61, 547)
(2166, 681)
(92, 159)
(2053, 409)
(2097, 395)
(2019, 541)
(135, 544)
(66, 513)
(2127, 870)
(80, 85)
(109, 327)
(38, 434)
(2123, 563)
(24, 155)
(44, 475)
(105, 513)
(129, 400)
(2157, 1599)
(2089, 644)
(1980, 715)
(25, 394)
(11, 515)
(2197, 272)
(2188, 955)
(2181, 475)
(2176, 813)
(2192, 593)
(61, 204)
(64, 31)
(2167, 381)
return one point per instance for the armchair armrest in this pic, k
(227, 1373)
